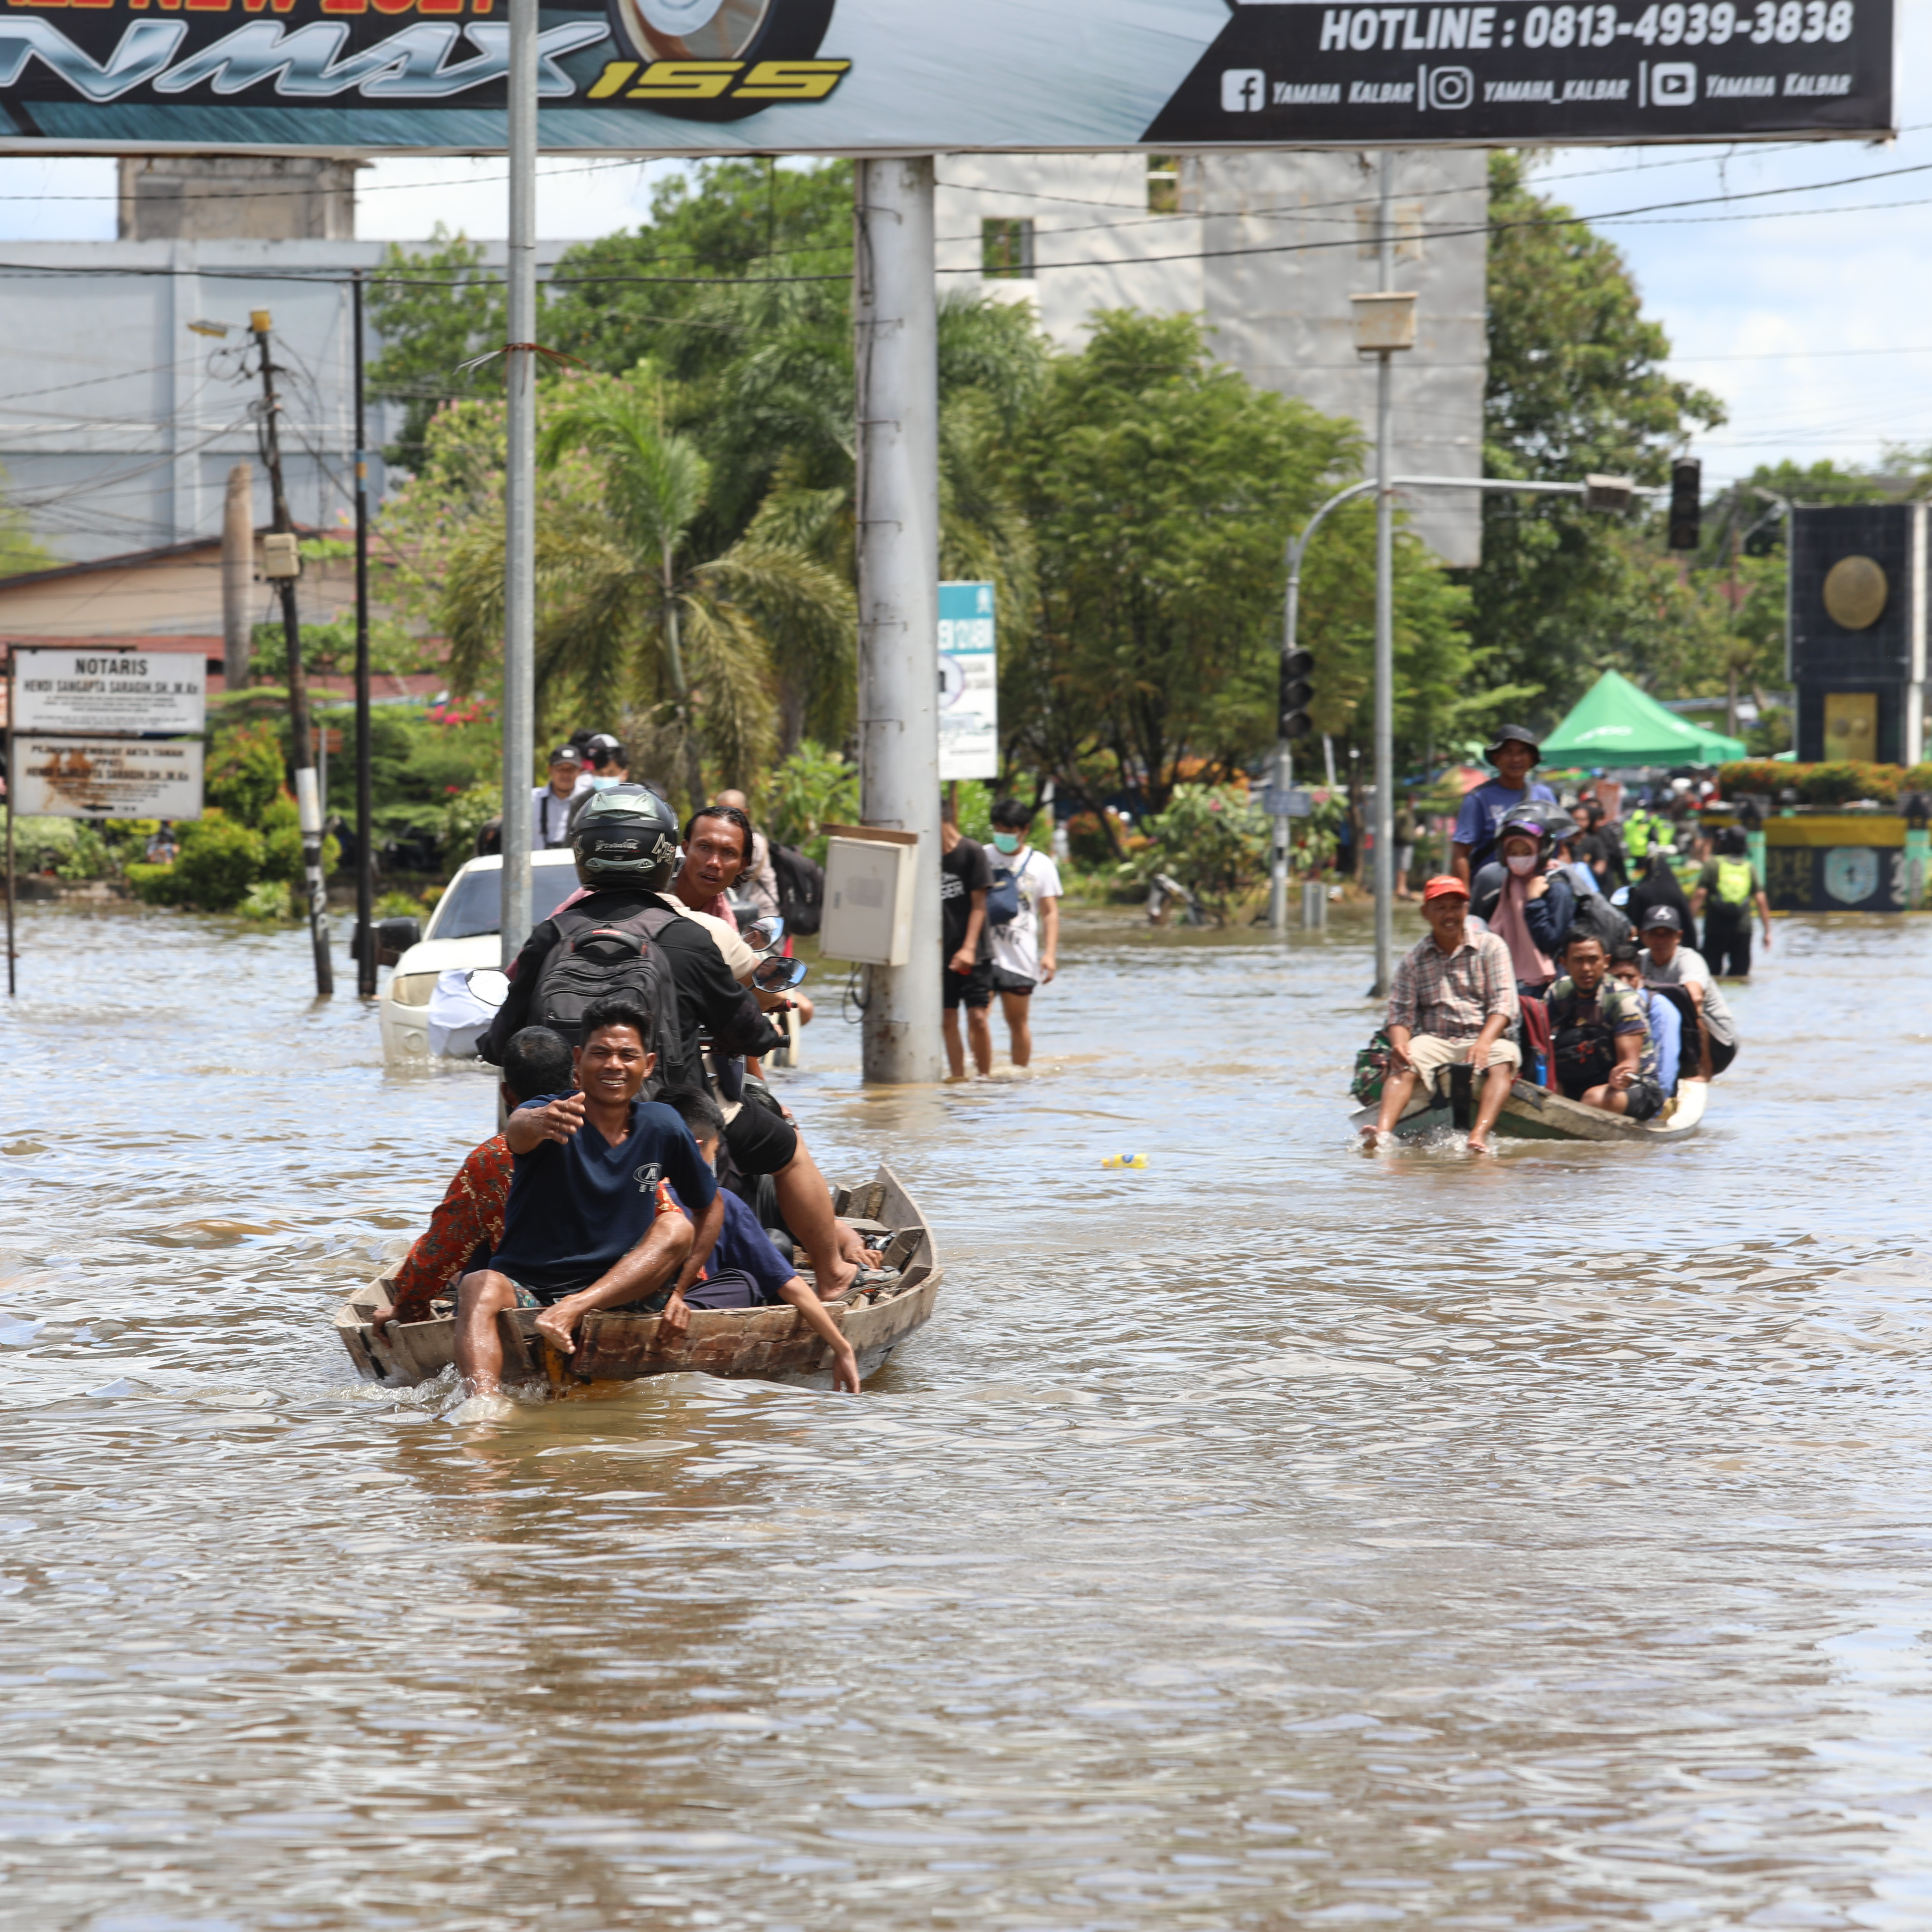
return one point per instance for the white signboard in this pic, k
(89, 689)
(969, 683)
(108, 778)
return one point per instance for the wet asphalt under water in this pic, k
(1271, 1538)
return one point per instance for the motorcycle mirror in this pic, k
(491, 986)
(777, 974)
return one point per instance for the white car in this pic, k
(461, 935)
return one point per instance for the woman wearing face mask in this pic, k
(1527, 906)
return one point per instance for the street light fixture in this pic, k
(1598, 493)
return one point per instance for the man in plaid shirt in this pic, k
(1453, 997)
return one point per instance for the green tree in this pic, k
(1575, 384)
(629, 605)
(432, 311)
(20, 550)
(1161, 489)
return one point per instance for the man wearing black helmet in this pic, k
(1515, 754)
(626, 844)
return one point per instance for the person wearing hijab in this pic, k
(1526, 904)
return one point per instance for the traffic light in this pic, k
(1687, 486)
(1297, 693)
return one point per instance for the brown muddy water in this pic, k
(1271, 1538)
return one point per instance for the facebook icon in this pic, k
(1243, 90)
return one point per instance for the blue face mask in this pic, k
(603, 784)
(1007, 841)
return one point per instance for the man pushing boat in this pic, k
(589, 1224)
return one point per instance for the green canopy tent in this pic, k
(1614, 724)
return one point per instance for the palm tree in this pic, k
(625, 609)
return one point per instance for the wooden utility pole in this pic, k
(280, 564)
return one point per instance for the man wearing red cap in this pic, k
(1454, 999)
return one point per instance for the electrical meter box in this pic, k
(868, 890)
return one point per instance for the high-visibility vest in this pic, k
(1639, 828)
(1737, 880)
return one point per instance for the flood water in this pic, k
(1272, 1537)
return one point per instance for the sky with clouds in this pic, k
(1807, 307)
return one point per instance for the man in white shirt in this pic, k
(1668, 961)
(1024, 947)
(549, 804)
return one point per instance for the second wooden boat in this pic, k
(1531, 1114)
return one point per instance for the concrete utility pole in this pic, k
(520, 483)
(1385, 723)
(282, 567)
(897, 401)
(238, 570)
(365, 782)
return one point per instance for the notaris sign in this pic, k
(825, 77)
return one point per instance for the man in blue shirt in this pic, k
(1515, 754)
(584, 1227)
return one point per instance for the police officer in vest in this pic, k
(1726, 890)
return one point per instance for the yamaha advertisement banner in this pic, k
(843, 76)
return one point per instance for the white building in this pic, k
(118, 425)
(1267, 247)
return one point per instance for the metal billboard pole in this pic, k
(1384, 706)
(896, 312)
(365, 858)
(519, 483)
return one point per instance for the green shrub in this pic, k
(1825, 784)
(154, 885)
(219, 861)
(465, 815)
(245, 773)
(268, 900)
(1835, 784)
(1210, 839)
(813, 788)
(283, 851)
(88, 857)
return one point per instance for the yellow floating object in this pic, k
(1125, 1160)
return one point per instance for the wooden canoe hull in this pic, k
(769, 1344)
(1531, 1114)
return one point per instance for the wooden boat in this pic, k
(771, 1344)
(1532, 1114)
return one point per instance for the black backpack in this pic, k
(1601, 920)
(801, 889)
(599, 959)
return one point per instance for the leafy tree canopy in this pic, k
(1575, 384)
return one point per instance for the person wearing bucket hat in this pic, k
(1515, 754)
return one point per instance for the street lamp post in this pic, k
(1599, 492)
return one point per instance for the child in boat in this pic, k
(1665, 1024)
(743, 1268)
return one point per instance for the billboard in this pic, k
(844, 76)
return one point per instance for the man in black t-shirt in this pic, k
(965, 874)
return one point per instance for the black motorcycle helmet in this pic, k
(1528, 819)
(626, 836)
